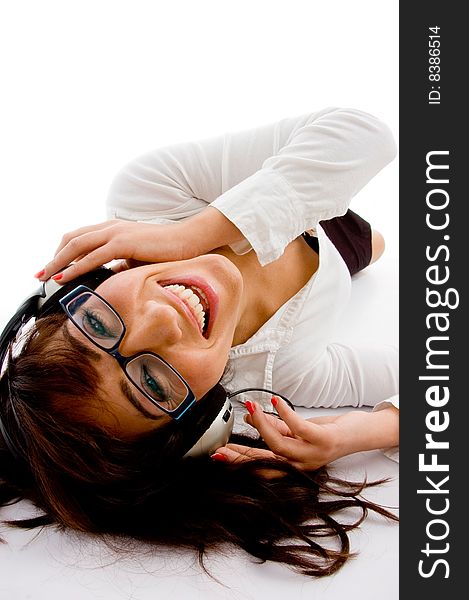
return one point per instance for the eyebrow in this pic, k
(79, 343)
(124, 386)
(132, 398)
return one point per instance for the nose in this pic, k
(155, 327)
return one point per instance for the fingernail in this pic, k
(274, 401)
(219, 456)
(58, 277)
(250, 406)
(40, 274)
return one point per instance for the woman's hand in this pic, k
(95, 245)
(312, 443)
(307, 445)
(135, 243)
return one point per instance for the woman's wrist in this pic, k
(361, 431)
(208, 230)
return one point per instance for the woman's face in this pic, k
(159, 320)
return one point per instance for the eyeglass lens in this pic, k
(96, 319)
(101, 324)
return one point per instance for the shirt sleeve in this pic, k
(344, 375)
(350, 376)
(392, 453)
(273, 182)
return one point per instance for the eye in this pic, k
(94, 326)
(151, 385)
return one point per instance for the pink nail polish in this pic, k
(58, 277)
(274, 401)
(219, 456)
(40, 274)
(250, 406)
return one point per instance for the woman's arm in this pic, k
(265, 187)
(326, 160)
(312, 443)
(342, 376)
(138, 243)
(273, 182)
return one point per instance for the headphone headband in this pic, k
(44, 301)
(41, 302)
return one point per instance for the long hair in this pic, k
(84, 477)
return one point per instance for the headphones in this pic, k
(215, 417)
(218, 432)
(40, 303)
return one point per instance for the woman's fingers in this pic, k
(280, 425)
(320, 436)
(91, 261)
(90, 250)
(77, 244)
(305, 445)
(237, 452)
(311, 445)
(82, 230)
(300, 427)
(289, 447)
(92, 246)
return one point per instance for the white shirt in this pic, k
(274, 182)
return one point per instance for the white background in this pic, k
(88, 85)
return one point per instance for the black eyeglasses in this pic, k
(155, 378)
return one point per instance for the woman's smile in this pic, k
(198, 299)
(186, 312)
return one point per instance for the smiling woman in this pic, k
(237, 254)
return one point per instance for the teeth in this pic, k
(199, 291)
(187, 294)
(191, 300)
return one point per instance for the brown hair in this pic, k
(86, 478)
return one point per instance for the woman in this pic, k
(103, 404)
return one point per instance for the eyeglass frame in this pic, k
(123, 361)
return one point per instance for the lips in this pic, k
(211, 295)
